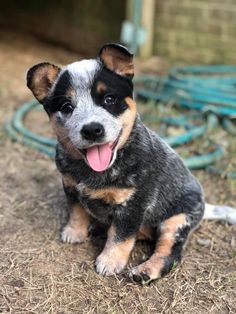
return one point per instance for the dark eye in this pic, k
(109, 100)
(66, 108)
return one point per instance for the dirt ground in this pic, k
(39, 274)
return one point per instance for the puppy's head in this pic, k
(89, 103)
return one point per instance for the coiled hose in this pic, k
(209, 90)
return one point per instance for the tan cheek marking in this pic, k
(101, 87)
(131, 103)
(111, 195)
(127, 121)
(63, 138)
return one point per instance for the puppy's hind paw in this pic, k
(147, 271)
(139, 277)
(73, 235)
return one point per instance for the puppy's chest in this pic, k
(100, 200)
(103, 203)
(109, 195)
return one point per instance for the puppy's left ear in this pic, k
(118, 59)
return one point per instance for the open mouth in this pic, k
(99, 157)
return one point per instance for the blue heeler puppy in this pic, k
(114, 169)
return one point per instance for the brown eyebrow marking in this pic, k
(70, 93)
(101, 87)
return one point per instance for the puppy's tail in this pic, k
(220, 212)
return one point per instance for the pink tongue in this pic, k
(99, 157)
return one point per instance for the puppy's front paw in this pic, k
(109, 264)
(74, 235)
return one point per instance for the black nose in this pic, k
(92, 131)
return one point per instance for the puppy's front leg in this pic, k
(120, 242)
(115, 254)
(76, 230)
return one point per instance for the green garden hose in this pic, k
(18, 132)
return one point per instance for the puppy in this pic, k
(114, 169)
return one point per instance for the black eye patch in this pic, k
(109, 91)
(60, 94)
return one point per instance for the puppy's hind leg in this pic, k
(173, 234)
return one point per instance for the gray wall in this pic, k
(201, 31)
(80, 25)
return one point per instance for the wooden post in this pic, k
(147, 21)
(129, 7)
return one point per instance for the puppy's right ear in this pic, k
(40, 79)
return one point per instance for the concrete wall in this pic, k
(201, 31)
(80, 25)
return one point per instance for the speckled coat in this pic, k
(145, 192)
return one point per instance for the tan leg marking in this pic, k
(145, 233)
(151, 269)
(127, 120)
(115, 255)
(63, 138)
(76, 230)
(111, 195)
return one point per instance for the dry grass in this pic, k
(39, 274)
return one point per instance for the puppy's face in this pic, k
(89, 103)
